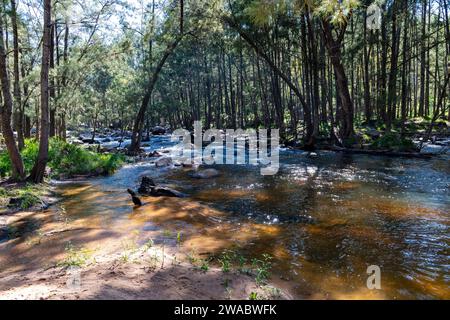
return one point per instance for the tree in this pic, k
(18, 171)
(333, 46)
(139, 122)
(38, 171)
(17, 91)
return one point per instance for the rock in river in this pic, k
(206, 174)
(146, 185)
(163, 162)
(158, 130)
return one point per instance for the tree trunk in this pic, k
(309, 138)
(52, 108)
(139, 122)
(38, 171)
(18, 171)
(404, 70)
(17, 95)
(392, 87)
(367, 106)
(422, 61)
(334, 51)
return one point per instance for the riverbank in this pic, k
(100, 262)
(310, 219)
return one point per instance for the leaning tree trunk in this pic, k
(334, 50)
(309, 139)
(139, 122)
(140, 118)
(38, 171)
(18, 171)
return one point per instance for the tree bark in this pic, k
(139, 122)
(38, 171)
(17, 96)
(18, 171)
(392, 87)
(334, 50)
(309, 138)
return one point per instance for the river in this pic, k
(324, 218)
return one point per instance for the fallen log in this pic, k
(388, 153)
(149, 188)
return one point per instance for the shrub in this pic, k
(65, 159)
(393, 141)
(25, 196)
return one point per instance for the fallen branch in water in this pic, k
(383, 153)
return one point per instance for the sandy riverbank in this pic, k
(49, 257)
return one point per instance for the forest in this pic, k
(90, 91)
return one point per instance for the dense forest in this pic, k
(313, 69)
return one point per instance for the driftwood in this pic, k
(135, 198)
(389, 153)
(149, 188)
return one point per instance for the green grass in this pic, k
(65, 160)
(27, 195)
(253, 296)
(205, 265)
(225, 261)
(75, 257)
(262, 268)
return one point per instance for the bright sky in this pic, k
(132, 12)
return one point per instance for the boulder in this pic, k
(154, 154)
(206, 174)
(158, 130)
(15, 202)
(373, 133)
(146, 185)
(163, 162)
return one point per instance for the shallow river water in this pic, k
(324, 218)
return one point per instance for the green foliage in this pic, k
(253, 296)
(393, 141)
(205, 265)
(225, 261)
(28, 200)
(5, 164)
(262, 268)
(27, 195)
(65, 159)
(74, 257)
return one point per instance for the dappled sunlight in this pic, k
(322, 228)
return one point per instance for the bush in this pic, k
(65, 159)
(24, 196)
(393, 141)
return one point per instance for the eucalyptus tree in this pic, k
(38, 171)
(18, 172)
